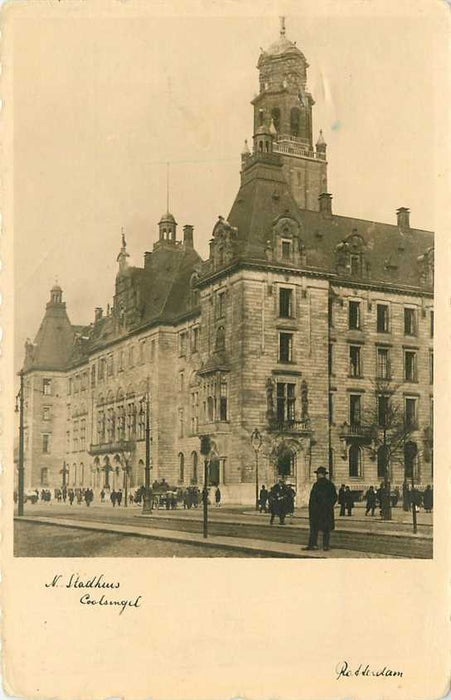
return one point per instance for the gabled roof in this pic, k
(390, 251)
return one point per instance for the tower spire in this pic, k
(282, 26)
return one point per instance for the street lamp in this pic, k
(256, 441)
(21, 480)
(147, 504)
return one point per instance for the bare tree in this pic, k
(388, 429)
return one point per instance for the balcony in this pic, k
(110, 447)
(355, 431)
(290, 427)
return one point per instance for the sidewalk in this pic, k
(253, 547)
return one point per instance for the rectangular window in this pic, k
(286, 402)
(223, 402)
(382, 410)
(285, 347)
(354, 361)
(354, 315)
(431, 324)
(182, 344)
(110, 365)
(76, 384)
(47, 387)
(101, 369)
(431, 366)
(383, 364)
(286, 250)
(355, 265)
(285, 303)
(331, 358)
(120, 367)
(411, 413)
(355, 409)
(152, 349)
(410, 322)
(46, 413)
(131, 356)
(180, 422)
(195, 339)
(382, 318)
(44, 476)
(142, 346)
(46, 444)
(410, 366)
(221, 304)
(331, 409)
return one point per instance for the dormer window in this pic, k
(286, 250)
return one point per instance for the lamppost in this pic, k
(205, 449)
(64, 472)
(21, 471)
(147, 505)
(256, 440)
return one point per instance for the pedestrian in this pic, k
(263, 499)
(79, 497)
(64, 494)
(102, 496)
(173, 500)
(370, 501)
(323, 497)
(71, 496)
(349, 501)
(428, 499)
(279, 501)
(186, 498)
(218, 497)
(113, 498)
(119, 497)
(342, 499)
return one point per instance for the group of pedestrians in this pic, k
(345, 500)
(279, 501)
(116, 497)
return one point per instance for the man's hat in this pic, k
(320, 470)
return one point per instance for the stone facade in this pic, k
(296, 325)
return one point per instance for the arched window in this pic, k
(382, 461)
(410, 458)
(267, 146)
(194, 462)
(261, 115)
(295, 121)
(275, 114)
(181, 467)
(355, 461)
(210, 408)
(220, 339)
(260, 145)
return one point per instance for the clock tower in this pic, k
(283, 107)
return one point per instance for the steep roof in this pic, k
(53, 344)
(390, 251)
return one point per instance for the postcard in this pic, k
(224, 350)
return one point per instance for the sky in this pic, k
(101, 104)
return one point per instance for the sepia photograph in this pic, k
(224, 328)
(224, 289)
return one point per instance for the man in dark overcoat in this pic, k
(342, 499)
(323, 497)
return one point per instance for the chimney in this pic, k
(325, 204)
(147, 256)
(188, 236)
(403, 216)
(98, 313)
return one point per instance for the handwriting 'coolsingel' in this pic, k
(86, 599)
